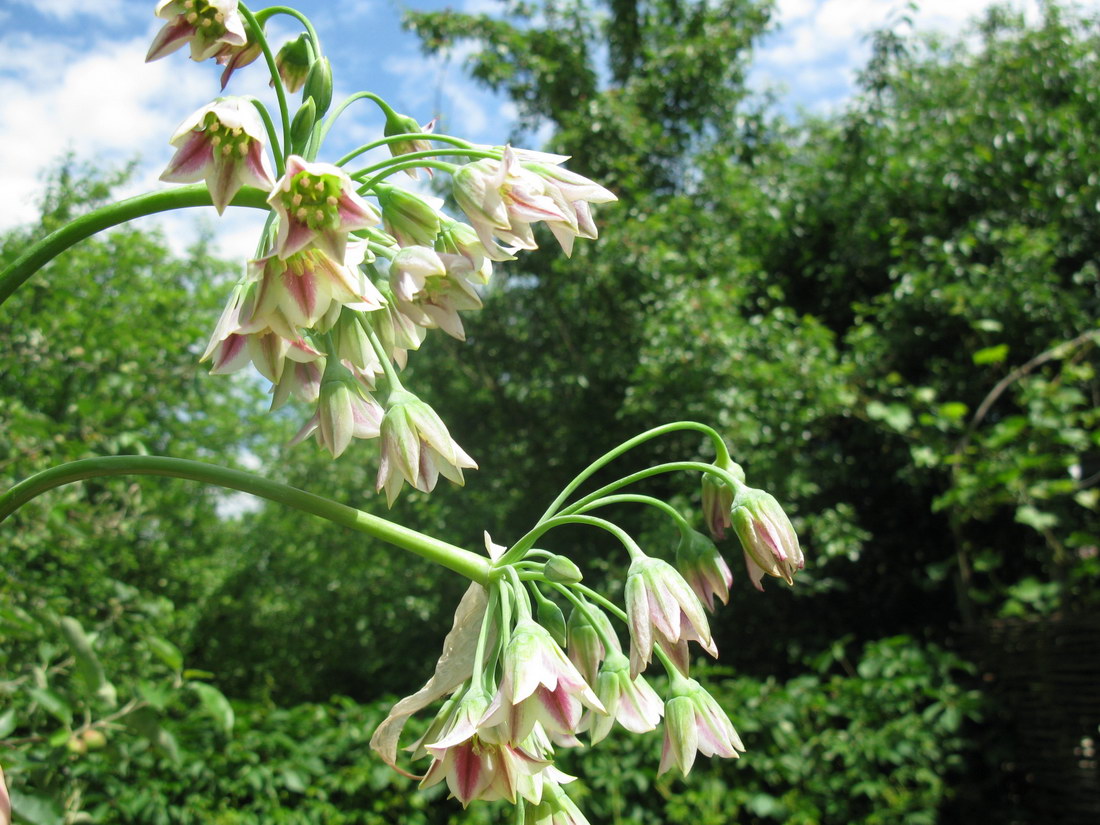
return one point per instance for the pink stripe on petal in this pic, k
(297, 237)
(302, 290)
(168, 39)
(468, 773)
(191, 161)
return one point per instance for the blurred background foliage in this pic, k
(889, 311)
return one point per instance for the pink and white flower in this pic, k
(629, 701)
(345, 410)
(429, 294)
(208, 25)
(664, 610)
(222, 143)
(317, 205)
(694, 723)
(417, 448)
(703, 567)
(767, 537)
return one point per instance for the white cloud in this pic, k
(66, 10)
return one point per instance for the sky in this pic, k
(73, 79)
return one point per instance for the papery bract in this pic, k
(208, 25)
(224, 144)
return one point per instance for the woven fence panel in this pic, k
(1045, 677)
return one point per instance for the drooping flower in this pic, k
(556, 808)
(718, 498)
(345, 410)
(585, 643)
(629, 701)
(222, 143)
(417, 448)
(237, 57)
(694, 723)
(539, 686)
(208, 25)
(407, 217)
(767, 537)
(703, 567)
(663, 610)
(573, 193)
(300, 380)
(304, 286)
(317, 204)
(429, 294)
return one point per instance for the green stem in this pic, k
(339, 110)
(273, 70)
(271, 11)
(39, 254)
(359, 174)
(464, 562)
(518, 550)
(584, 608)
(374, 144)
(721, 455)
(387, 365)
(443, 166)
(659, 469)
(272, 135)
(681, 522)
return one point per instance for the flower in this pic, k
(209, 26)
(629, 701)
(304, 286)
(416, 448)
(237, 57)
(585, 644)
(572, 193)
(556, 808)
(662, 609)
(718, 497)
(301, 380)
(223, 143)
(410, 219)
(428, 293)
(345, 410)
(694, 722)
(539, 686)
(767, 537)
(317, 204)
(701, 565)
(396, 331)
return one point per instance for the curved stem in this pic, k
(273, 70)
(402, 160)
(42, 252)
(271, 11)
(721, 455)
(386, 141)
(339, 110)
(681, 522)
(272, 135)
(464, 562)
(518, 550)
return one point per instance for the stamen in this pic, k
(191, 17)
(227, 150)
(297, 199)
(320, 215)
(332, 200)
(301, 214)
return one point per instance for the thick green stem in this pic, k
(443, 166)
(273, 70)
(721, 455)
(45, 250)
(426, 154)
(471, 565)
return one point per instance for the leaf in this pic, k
(896, 416)
(1026, 514)
(7, 722)
(953, 410)
(88, 666)
(990, 355)
(166, 652)
(36, 810)
(215, 704)
(53, 704)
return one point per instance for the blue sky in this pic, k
(73, 77)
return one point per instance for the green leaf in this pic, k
(7, 722)
(953, 410)
(53, 704)
(896, 416)
(36, 810)
(215, 703)
(991, 355)
(88, 666)
(1032, 517)
(166, 652)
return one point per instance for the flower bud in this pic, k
(701, 565)
(562, 570)
(718, 498)
(319, 85)
(404, 125)
(694, 722)
(411, 220)
(302, 124)
(292, 63)
(767, 537)
(551, 617)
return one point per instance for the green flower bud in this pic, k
(292, 63)
(562, 570)
(319, 85)
(551, 617)
(303, 122)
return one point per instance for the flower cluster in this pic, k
(354, 270)
(514, 688)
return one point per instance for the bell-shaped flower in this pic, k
(664, 610)
(629, 701)
(304, 286)
(457, 238)
(694, 723)
(208, 25)
(429, 294)
(539, 686)
(417, 448)
(718, 498)
(222, 143)
(556, 808)
(572, 193)
(703, 567)
(351, 345)
(317, 204)
(396, 331)
(767, 537)
(237, 57)
(299, 380)
(345, 410)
